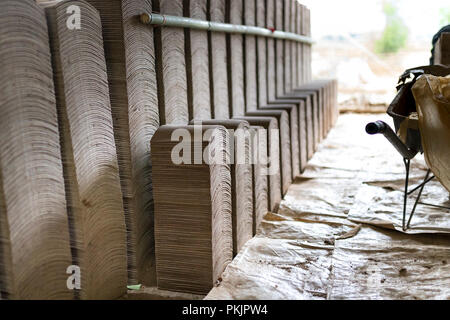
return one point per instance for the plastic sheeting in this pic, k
(381, 203)
(332, 239)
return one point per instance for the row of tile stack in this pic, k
(87, 116)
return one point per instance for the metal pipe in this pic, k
(417, 201)
(380, 127)
(182, 22)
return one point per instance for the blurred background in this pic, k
(368, 44)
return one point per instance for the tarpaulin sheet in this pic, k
(324, 243)
(381, 203)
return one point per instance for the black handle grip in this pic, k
(376, 127)
(380, 127)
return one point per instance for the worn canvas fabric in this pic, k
(432, 95)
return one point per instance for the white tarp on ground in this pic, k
(334, 236)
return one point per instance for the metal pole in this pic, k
(182, 22)
(417, 200)
(405, 197)
(380, 127)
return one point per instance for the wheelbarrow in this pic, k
(407, 137)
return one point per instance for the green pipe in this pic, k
(182, 22)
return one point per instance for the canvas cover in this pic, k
(432, 95)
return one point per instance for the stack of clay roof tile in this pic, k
(34, 226)
(241, 170)
(197, 62)
(94, 199)
(197, 209)
(172, 84)
(284, 114)
(193, 227)
(229, 86)
(130, 59)
(241, 180)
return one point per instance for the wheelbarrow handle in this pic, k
(380, 127)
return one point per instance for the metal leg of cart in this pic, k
(405, 196)
(407, 193)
